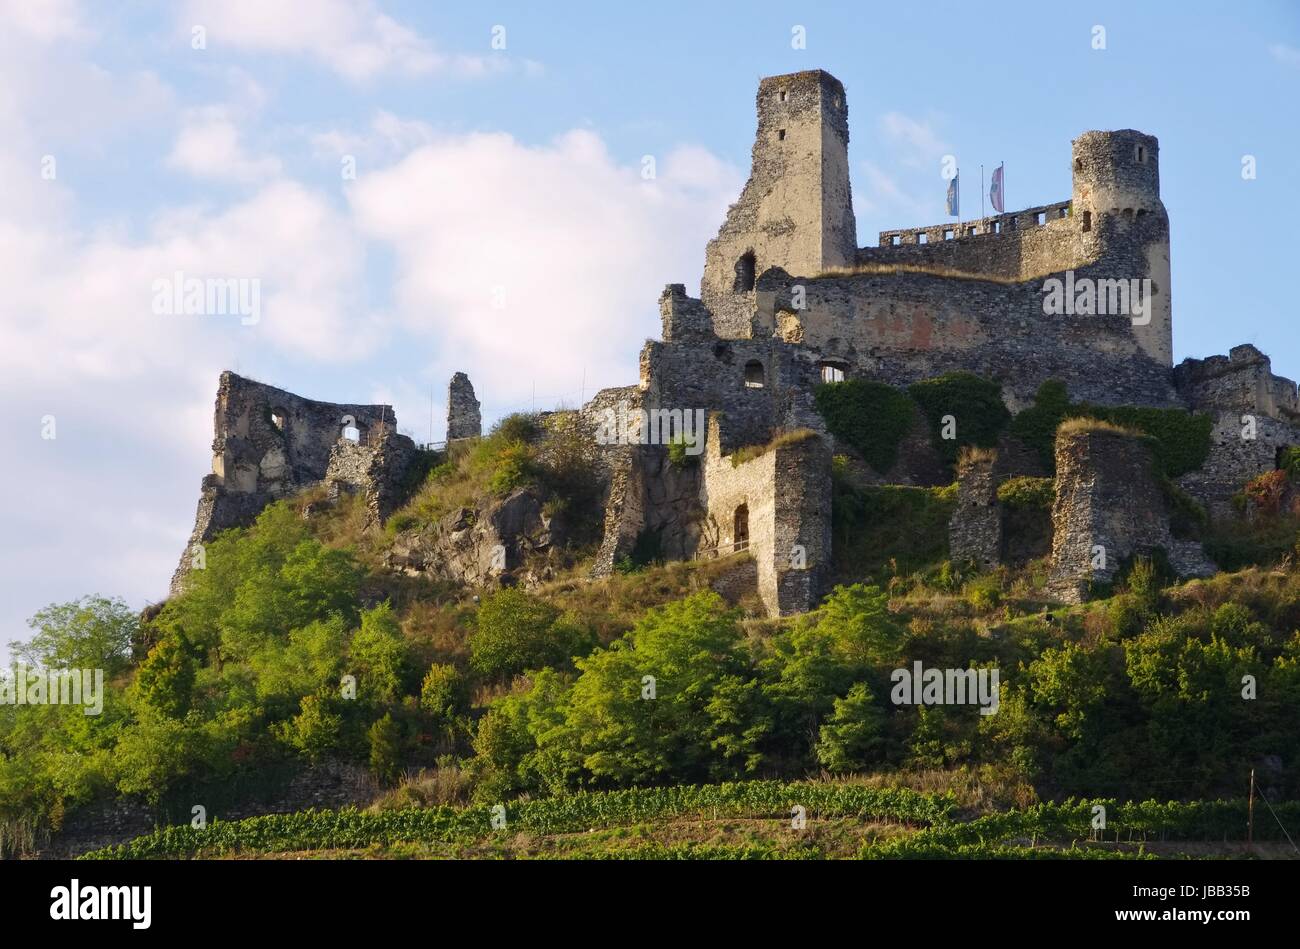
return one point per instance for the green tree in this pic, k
(444, 693)
(314, 732)
(860, 626)
(166, 677)
(669, 700)
(386, 749)
(854, 736)
(93, 632)
(516, 631)
(379, 653)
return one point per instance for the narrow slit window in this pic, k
(746, 268)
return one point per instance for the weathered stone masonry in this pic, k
(787, 298)
(267, 444)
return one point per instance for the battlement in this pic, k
(996, 225)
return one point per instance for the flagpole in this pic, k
(982, 193)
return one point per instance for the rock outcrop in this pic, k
(484, 546)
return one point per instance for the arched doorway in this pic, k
(740, 528)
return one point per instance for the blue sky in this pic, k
(498, 222)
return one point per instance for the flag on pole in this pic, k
(954, 195)
(995, 191)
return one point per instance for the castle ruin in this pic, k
(788, 301)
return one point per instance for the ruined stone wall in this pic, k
(901, 328)
(1257, 414)
(379, 468)
(463, 418)
(1108, 499)
(1242, 381)
(786, 493)
(711, 375)
(1014, 246)
(802, 554)
(267, 444)
(975, 530)
(1235, 459)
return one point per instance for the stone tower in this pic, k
(1123, 224)
(796, 211)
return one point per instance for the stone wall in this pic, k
(1243, 381)
(463, 418)
(784, 494)
(379, 468)
(1014, 246)
(975, 530)
(1235, 459)
(268, 443)
(903, 327)
(107, 823)
(1108, 507)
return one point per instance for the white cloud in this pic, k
(208, 146)
(43, 21)
(915, 141)
(387, 137)
(529, 265)
(882, 195)
(1286, 55)
(352, 37)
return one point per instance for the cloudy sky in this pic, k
(498, 221)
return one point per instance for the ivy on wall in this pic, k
(869, 417)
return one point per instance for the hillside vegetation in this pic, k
(637, 707)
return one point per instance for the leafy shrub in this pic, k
(888, 529)
(1026, 492)
(869, 417)
(974, 403)
(516, 631)
(314, 732)
(444, 693)
(854, 736)
(678, 456)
